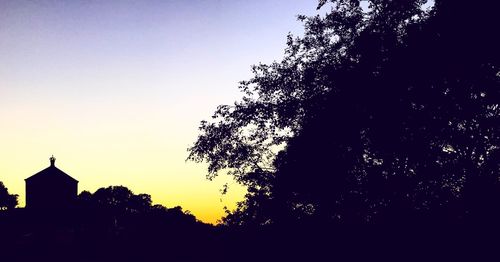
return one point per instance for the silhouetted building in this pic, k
(50, 188)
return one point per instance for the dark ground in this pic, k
(30, 236)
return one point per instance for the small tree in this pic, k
(7, 201)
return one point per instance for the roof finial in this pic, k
(52, 160)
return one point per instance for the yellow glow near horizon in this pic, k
(116, 89)
(138, 149)
(141, 174)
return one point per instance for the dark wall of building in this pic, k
(55, 192)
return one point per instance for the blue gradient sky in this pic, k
(116, 89)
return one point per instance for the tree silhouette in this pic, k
(7, 201)
(385, 112)
(121, 198)
(121, 201)
(111, 224)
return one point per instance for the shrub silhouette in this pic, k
(7, 201)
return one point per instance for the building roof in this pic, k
(51, 172)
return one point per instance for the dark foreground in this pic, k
(73, 236)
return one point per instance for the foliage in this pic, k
(111, 224)
(385, 111)
(121, 200)
(7, 201)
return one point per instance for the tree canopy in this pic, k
(120, 200)
(382, 111)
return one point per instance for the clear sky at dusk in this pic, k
(116, 89)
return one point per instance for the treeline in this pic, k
(111, 224)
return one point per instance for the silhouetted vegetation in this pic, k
(112, 224)
(7, 201)
(376, 137)
(386, 113)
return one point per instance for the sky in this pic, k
(116, 90)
